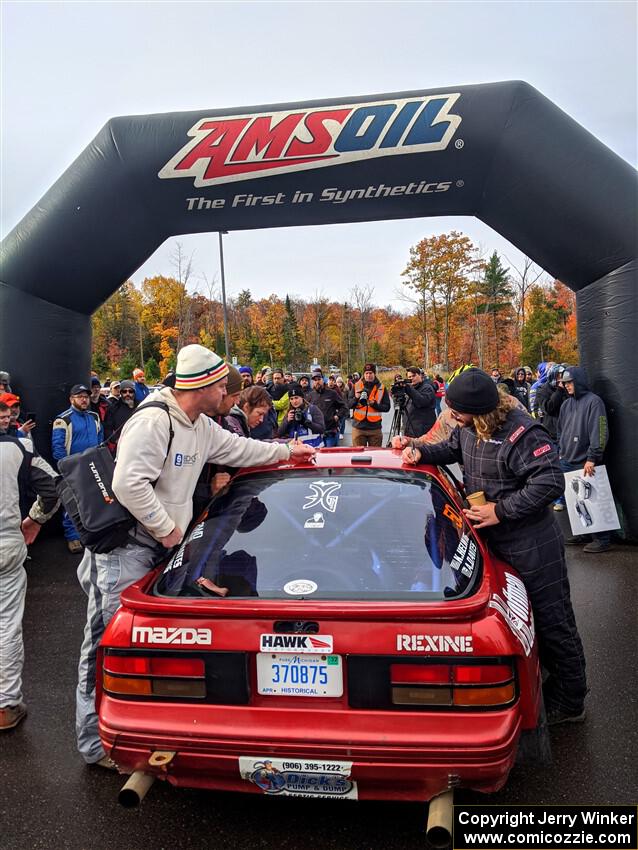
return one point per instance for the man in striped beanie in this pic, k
(155, 478)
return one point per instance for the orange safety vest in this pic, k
(363, 413)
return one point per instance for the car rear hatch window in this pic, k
(328, 534)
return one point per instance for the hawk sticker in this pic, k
(324, 495)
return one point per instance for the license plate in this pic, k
(288, 674)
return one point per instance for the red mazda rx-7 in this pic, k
(334, 629)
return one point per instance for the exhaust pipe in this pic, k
(440, 816)
(132, 794)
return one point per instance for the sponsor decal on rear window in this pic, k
(324, 494)
(300, 587)
(464, 559)
(315, 521)
(450, 513)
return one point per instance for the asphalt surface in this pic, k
(49, 799)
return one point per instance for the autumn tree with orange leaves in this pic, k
(462, 308)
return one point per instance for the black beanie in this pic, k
(473, 391)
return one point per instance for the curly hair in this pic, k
(489, 423)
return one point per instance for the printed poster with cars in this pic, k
(590, 502)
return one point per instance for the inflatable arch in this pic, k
(501, 152)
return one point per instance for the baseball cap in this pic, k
(10, 399)
(78, 389)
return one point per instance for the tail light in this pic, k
(154, 676)
(486, 684)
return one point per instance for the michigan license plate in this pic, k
(288, 674)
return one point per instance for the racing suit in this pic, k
(518, 469)
(21, 471)
(158, 490)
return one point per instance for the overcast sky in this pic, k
(69, 67)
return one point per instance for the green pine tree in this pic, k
(295, 353)
(99, 363)
(127, 364)
(497, 292)
(151, 371)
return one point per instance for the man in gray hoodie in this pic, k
(155, 477)
(582, 438)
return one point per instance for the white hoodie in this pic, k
(142, 460)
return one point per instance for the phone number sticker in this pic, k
(300, 777)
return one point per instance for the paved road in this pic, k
(50, 800)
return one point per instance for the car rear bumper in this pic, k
(414, 757)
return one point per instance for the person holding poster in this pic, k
(582, 437)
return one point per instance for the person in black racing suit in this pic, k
(509, 456)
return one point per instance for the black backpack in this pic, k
(85, 488)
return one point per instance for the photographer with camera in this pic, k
(418, 398)
(370, 401)
(302, 421)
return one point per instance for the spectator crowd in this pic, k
(233, 417)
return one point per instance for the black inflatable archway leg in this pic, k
(47, 349)
(608, 341)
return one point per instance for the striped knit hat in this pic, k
(198, 367)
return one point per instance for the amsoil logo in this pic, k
(227, 148)
(172, 635)
(296, 643)
(100, 484)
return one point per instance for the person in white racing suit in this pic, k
(21, 473)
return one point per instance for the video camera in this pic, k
(300, 415)
(399, 391)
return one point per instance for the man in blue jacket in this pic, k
(582, 438)
(76, 429)
(541, 380)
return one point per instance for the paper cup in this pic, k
(477, 498)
